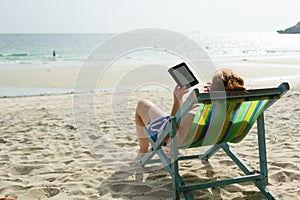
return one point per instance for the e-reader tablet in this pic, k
(183, 75)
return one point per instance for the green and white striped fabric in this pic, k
(224, 121)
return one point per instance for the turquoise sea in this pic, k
(17, 50)
(35, 51)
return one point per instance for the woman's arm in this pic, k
(178, 98)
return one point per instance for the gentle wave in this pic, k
(18, 55)
(15, 55)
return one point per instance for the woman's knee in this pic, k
(143, 103)
(141, 109)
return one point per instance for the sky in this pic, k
(115, 16)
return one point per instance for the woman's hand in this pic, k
(178, 98)
(179, 92)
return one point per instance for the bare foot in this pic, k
(8, 197)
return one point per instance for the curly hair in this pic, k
(225, 79)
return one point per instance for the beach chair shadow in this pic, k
(222, 118)
(150, 183)
(155, 183)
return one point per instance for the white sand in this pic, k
(42, 156)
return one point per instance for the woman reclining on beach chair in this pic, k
(149, 116)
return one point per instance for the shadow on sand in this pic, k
(154, 182)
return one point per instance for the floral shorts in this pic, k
(157, 126)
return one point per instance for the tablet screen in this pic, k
(183, 75)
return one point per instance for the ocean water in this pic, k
(35, 51)
(21, 51)
(248, 44)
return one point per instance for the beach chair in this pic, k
(222, 118)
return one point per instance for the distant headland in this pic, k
(292, 30)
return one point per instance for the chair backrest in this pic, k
(228, 116)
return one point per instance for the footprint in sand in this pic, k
(22, 169)
(41, 193)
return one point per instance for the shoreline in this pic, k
(59, 80)
(249, 84)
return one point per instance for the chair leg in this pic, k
(263, 158)
(146, 158)
(175, 180)
(262, 148)
(259, 184)
(269, 195)
(174, 163)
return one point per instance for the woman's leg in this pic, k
(146, 111)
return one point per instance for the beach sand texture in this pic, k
(42, 156)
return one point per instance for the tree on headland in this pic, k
(292, 30)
